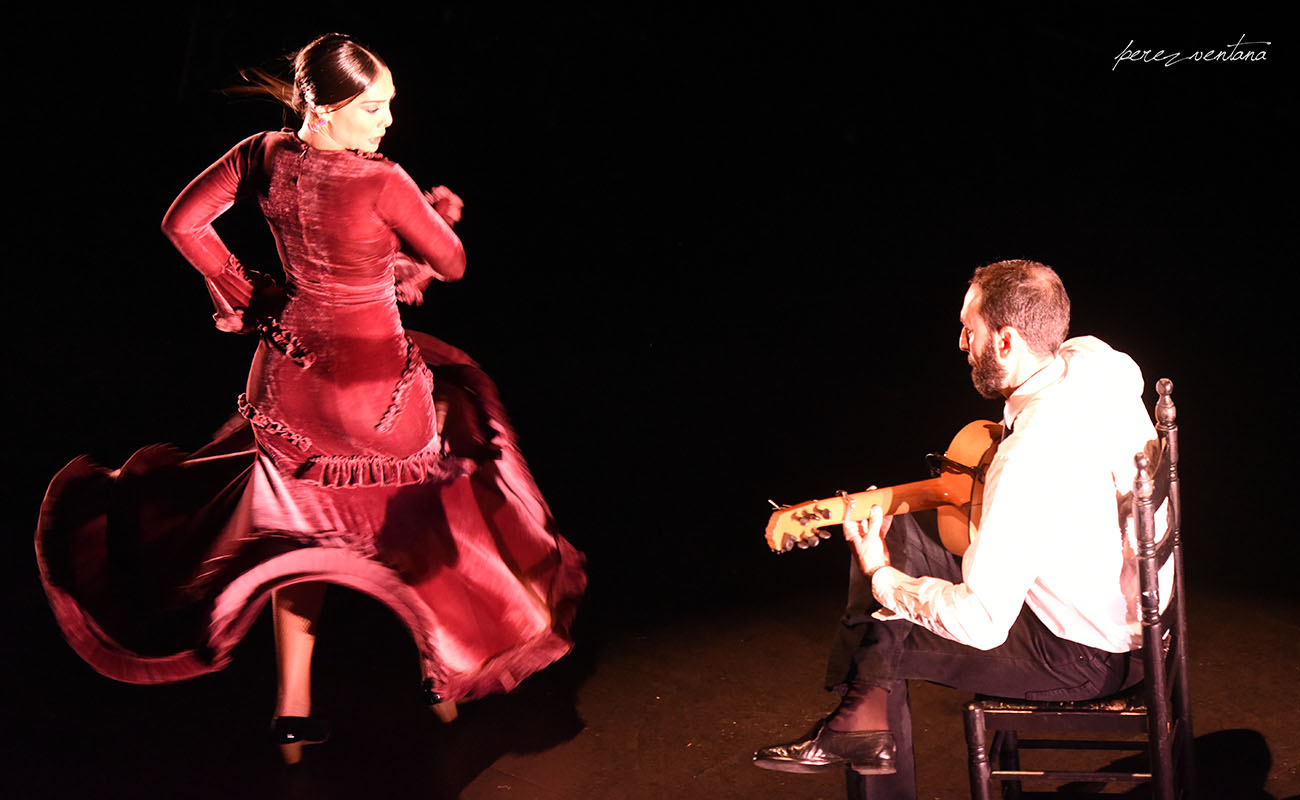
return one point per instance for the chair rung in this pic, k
(1103, 723)
(1079, 744)
(1068, 775)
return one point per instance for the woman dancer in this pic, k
(362, 454)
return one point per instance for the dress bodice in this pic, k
(337, 381)
(347, 225)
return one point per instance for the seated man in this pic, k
(1043, 604)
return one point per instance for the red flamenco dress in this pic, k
(363, 455)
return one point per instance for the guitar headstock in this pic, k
(800, 526)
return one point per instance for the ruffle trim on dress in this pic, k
(304, 148)
(249, 301)
(427, 466)
(430, 465)
(289, 345)
(260, 420)
(411, 277)
(231, 290)
(413, 367)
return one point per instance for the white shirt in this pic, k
(1051, 536)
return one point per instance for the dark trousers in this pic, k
(1032, 663)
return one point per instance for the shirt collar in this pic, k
(1021, 397)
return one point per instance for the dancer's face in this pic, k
(362, 123)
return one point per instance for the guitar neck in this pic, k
(901, 499)
(797, 522)
(956, 492)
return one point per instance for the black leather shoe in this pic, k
(291, 733)
(822, 749)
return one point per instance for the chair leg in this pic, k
(1184, 742)
(1008, 756)
(1186, 766)
(977, 750)
(1162, 768)
(855, 786)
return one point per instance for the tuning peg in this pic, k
(824, 533)
(787, 544)
(804, 544)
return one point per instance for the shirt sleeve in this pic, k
(998, 569)
(429, 248)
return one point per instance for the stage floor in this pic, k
(659, 700)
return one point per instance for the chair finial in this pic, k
(1165, 410)
(1142, 484)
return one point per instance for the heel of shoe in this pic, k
(444, 709)
(291, 733)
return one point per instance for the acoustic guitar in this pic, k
(956, 490)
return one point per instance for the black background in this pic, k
(714, 256)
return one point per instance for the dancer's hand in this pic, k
(447, 203)
(868, 539)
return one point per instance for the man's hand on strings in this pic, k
(868, 539)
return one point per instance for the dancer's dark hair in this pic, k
(328, 72)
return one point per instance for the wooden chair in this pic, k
(1158, 708)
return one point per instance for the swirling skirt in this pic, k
(155, 571)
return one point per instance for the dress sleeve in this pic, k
(429, 248)
(188, 225)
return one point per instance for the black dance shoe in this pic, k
(444, 709)
(291, 733)
(822, 749)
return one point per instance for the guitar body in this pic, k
(974, 446)
(956, 492)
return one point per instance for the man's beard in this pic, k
(987, 374)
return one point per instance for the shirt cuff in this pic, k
(884, 587)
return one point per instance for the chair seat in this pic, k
(1131, 699)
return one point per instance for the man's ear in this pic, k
(1005, 341)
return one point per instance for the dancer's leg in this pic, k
(295, 610)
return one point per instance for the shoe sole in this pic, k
(874, 769)
(797, 766)
(807, 769)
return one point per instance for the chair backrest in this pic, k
(1168, 694)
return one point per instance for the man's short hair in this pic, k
(1027, 296)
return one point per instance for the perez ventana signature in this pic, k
(1234, 52)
